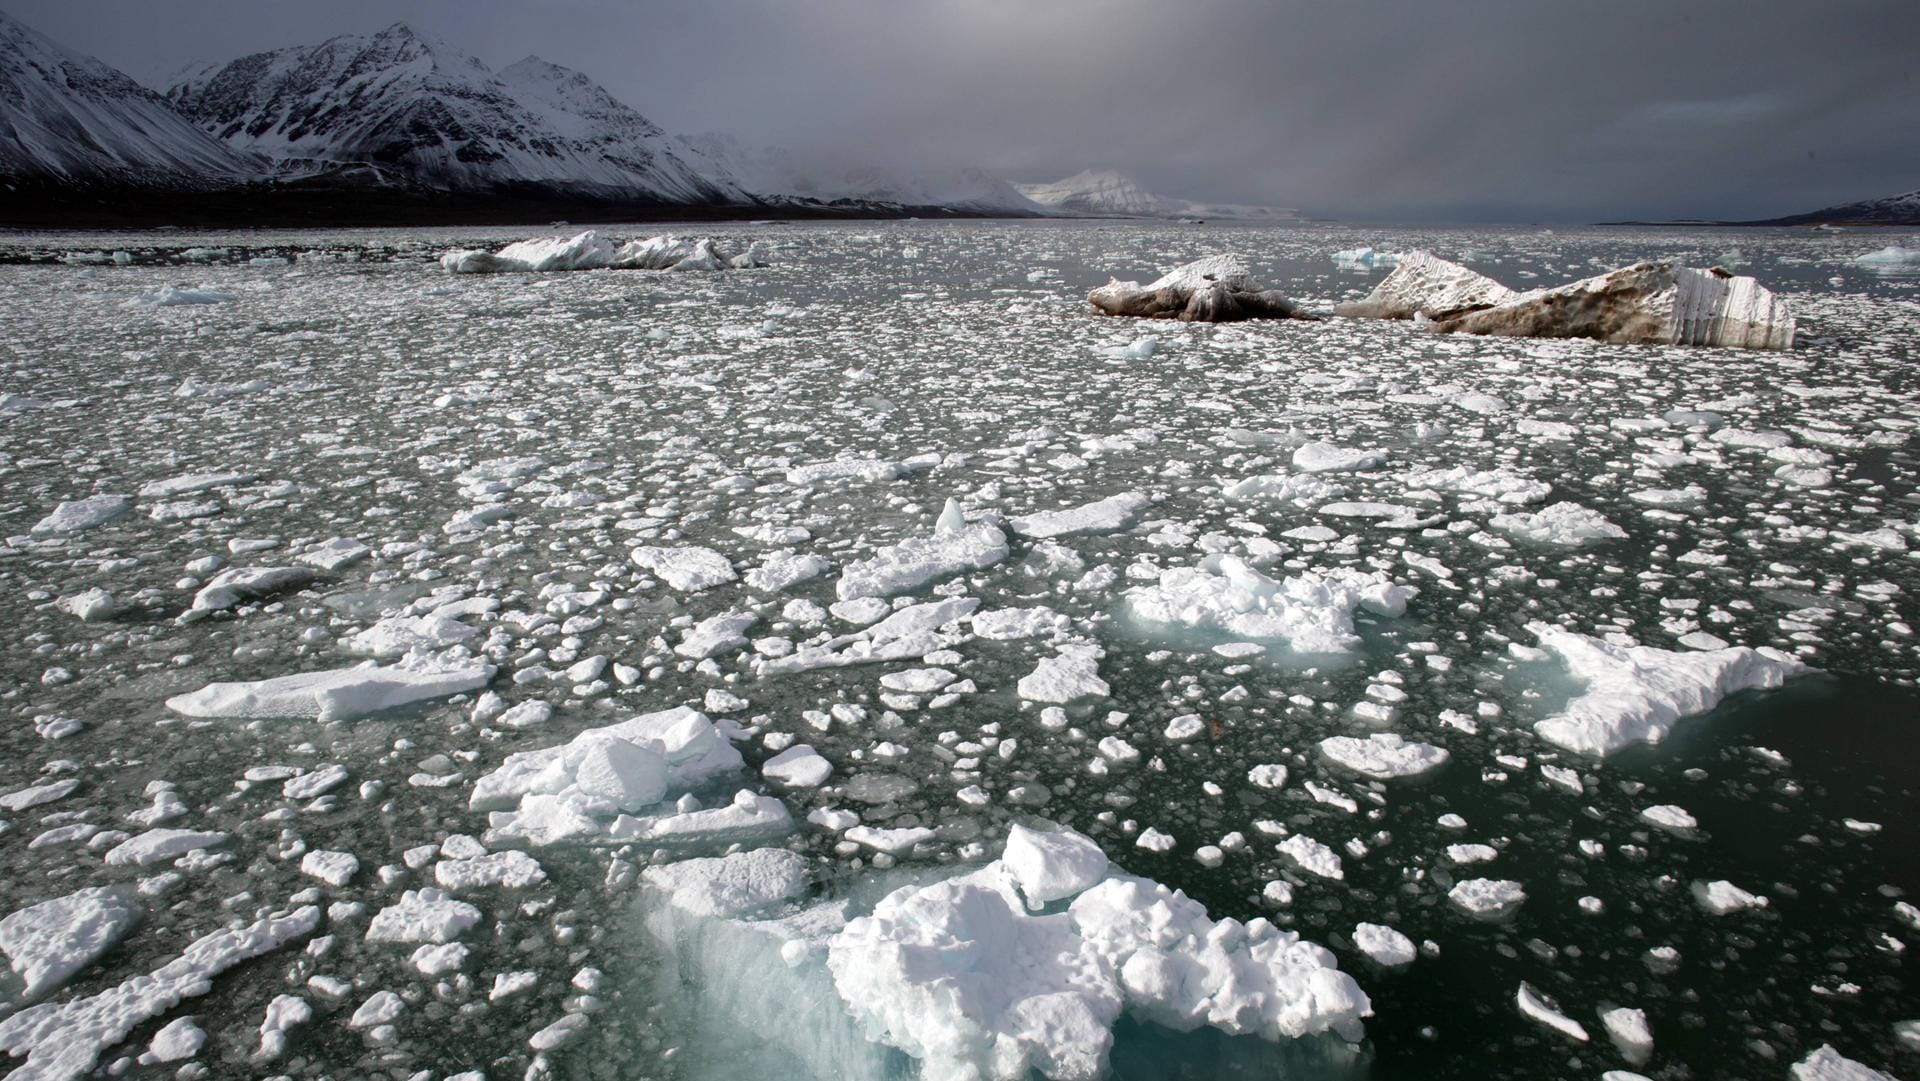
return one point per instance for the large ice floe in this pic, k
(1217, 289)
(954, 546)
(591, 251)
(1651, 303)
(1426, 285)
(340, 693)
(628, 781)
(1309, 612)
(1635, 694)
(1023, 965)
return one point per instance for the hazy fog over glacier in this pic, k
(1389, 111)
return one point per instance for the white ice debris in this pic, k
(1052, 865)
(396, 636)
(1635, 694)
(160, 844)
(64, 1040)
(1310, 612)
(237, 584)
(1487, 898)
(47, 943)
(340, 693)
(1071, 674)
(1539, 1009)
(1383, 755)
(1721, 897)
(730, 887)
(1328, 458)
(799, 766)
(422, 915)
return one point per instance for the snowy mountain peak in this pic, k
(66, 116)
(1099, 191)
(417, 109)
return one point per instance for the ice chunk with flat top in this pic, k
(1383, 945)
(1049, 865)
(1562, 525)
(1635, 694)
(1100, 516)
(340, 693)
(1384, 755)
(47, 943)
(689, 569)
(730, 887)
(912, 563)
(1071, 674)
(1311, 612)
(76, 515)
(423, 915)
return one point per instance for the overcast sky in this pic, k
(1408, 110)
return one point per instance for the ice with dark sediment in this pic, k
(1649, 303)
(1217, 289)
(1424, 284)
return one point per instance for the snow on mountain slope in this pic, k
(423, 112)
(1901, 209)
(65, 116)
(1108, 193)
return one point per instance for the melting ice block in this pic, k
(1653, 303)
(78, 514)
(1826, 1064)
(1101, 516)
(1217, 289)
(339, 693)
(742, 884)
(912, 563)
(1050, 865)
(1635, 694)
(1312, 612)
(1424, 284)
(1384, 755)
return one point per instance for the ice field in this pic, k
(879, 664)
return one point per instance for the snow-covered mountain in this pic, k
(1892, 210)
(418, 111)
(1106, 193)
(777, 173)
(67, 117)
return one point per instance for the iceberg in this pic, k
(339, 693)
(1217, 289)
(1311, 612)
(590, 251)
(952, 548)
(1650, 303)
(1424, 284)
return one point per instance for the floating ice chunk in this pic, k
(692, 750)
(1311, 612)
(1311, 856)
(1052, 865)
(781, 570)
(893, 842)
(284, 1013)
(1069, 676)
(1423, 284)
(1272, 776)
(161, 844)
(332, 555)
(914, 631)
(1327, 458)
(236, 584)
(1562, 525)
(422, 915)
(1487, 898)
(731, 887)
(398, 635)
(1890, 257)
(1384, 945)
(716, 634)
(799, 766)
(1826, 1064)
(1653, 303)
(689, 569)
(1362, 259)
(583, 251)
(1216, 289)
(380, 1008)
(1669, 817)
(177, 1040)
(1101, 516)
(64, 1040)
(173, 295)
(1302, 489)
(1539, 1009)
(1497, 484)
(340, 693)
(47, 943)
(1635, 694)
(334, 868)
(913, 563)
(1384, 755)
(1628, 1030)
(956, 975)
(191, 483)
(750, 818)
(22, 799)
(1721, 897)
(1007, 624)
(850, 470)
(510, 870)
(76, 515)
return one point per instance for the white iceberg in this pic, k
(1310, 612)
